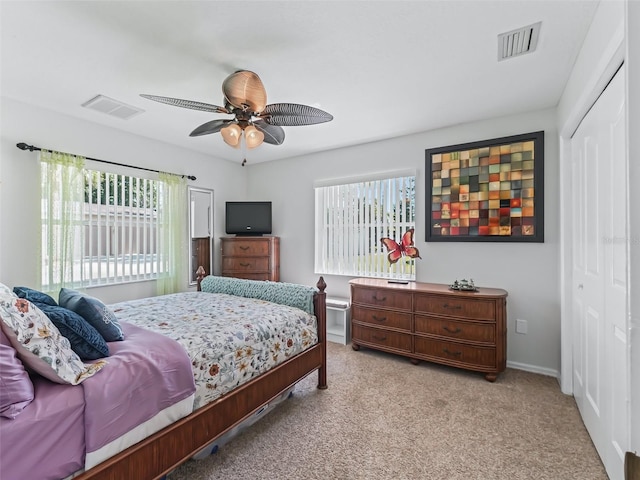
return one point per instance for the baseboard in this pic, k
(336, 338)
(549, 372)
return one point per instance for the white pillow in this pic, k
(39, 343)
(4, 290)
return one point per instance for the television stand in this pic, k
(252, 257)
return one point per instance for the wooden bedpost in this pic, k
(320, 302)
(200, 274)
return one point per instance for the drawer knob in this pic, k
(456, 307)
(455, 354)
(457, 330)
(381, 339)
(245, 264)
(379, 319)
(375, 297)
(243, 247)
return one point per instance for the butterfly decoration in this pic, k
(404, 248)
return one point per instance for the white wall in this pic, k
(529, 272)
(19, 183)
(599, 58)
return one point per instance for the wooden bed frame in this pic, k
(157, 455)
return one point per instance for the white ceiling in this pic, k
(381, 68)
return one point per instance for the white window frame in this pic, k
(353, 214)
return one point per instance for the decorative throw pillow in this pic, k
(4, 290)
(85, 340)
(16, 389)
(291, 294)
(34, 296)
(93, 311)
(40, 345)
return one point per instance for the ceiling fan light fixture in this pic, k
(253, 136)
(232, 134)
(244, 89)
(246, 99)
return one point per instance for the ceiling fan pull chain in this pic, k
(243, 146)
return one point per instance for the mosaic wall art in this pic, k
(490, 191)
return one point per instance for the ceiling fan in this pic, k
(246, 99)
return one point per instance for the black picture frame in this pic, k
(486, 191)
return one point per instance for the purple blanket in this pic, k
(146, 373)
(46, 441)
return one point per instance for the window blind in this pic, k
(351, 218)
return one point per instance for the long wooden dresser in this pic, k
(429, 321)
(253, 258)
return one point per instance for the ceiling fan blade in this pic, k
(244, 89)
(213, 126)
(177, 102)
(293, 114)
(272, 133)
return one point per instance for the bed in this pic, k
(198, 414)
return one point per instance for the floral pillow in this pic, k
(40, 345)
(4, 290)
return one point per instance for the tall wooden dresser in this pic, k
(429, 321)
(253, 258)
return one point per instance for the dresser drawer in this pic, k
(382, 318)
(381, 338)
(451, 352)
(248, 263)
(475, 308)
(382, 298)
(473, 331)
(239, 247)
(248, 275)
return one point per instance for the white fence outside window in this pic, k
(117, 237)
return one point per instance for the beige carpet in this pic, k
(384, 418)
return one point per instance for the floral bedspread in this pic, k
(229, 339)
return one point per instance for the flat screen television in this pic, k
(248, 218)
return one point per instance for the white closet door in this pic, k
(600, 263)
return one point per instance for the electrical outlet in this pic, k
(521, 326)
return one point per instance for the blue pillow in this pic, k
(85, 340)
(96, 313)
(34, 296)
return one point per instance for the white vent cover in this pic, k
(518, 42)
(112, 107)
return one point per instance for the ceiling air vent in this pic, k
(112, 107)
(518, 42)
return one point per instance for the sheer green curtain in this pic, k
(173, 251)
(62, 183)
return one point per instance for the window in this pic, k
(120, 228)
(351, 218)
(103, 228)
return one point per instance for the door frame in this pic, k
(632, 25)
(602, 73)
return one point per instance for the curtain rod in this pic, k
(31, 148)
